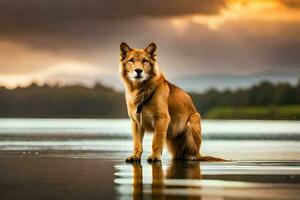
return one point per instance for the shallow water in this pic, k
(265, 154)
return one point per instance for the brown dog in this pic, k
(156, 105)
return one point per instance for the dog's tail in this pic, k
(211, 159)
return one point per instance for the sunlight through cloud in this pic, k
(266, 10)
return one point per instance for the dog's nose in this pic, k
(138, 71)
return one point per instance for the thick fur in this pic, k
(170, 113)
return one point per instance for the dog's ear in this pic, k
(124, 50)
(151, 49)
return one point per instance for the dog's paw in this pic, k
(133, 158)
(154, 158)
(190, 158)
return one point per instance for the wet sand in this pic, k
(92, 175)
(43, 166)
(32, 177)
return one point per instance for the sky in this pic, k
(77, 41)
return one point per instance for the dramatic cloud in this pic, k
(42, 39)
(48, 22)
(292, 3)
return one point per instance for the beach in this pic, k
(85, 159)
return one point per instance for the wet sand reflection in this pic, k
(195, 180)
(157, 188)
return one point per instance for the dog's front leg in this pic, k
(137, 136)
(160, 133)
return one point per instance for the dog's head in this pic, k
(138, 65)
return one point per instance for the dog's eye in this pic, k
(145, 61)
(131, 60)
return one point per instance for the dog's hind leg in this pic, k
(186, 144)
(176, 146)
(193, 130)
(193, 137)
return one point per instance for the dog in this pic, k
(156, 105)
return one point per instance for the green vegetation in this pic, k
(262, 101)
(290, 112)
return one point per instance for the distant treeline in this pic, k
(101, 101)
(262, 94)
(68, 101)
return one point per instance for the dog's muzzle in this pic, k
(138, 74)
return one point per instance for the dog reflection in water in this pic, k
(160, 189)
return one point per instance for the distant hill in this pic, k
(201, 83)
